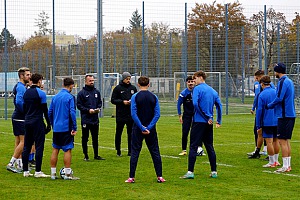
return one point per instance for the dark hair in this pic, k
(22, 70)
(189, 78)
(143, 81)
(200, 73)
(36, 77)
(266, 80)
(68, 81)
(89, 75)
(259, 72)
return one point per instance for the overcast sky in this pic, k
(79, 17)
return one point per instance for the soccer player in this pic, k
(18, 120)
(145, 113)
(185, 99)
(62, 114)
(204, 98)
(121, 98)
(285, 106)
(35, 109)
(89, 103)
(266, 121)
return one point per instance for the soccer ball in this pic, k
(62, 172)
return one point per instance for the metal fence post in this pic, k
(226, 54)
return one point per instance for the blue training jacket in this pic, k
(266, 117)
(284, 100)
(204, 99)
(145, 110)
(257, 90)
(62, 112)
(18, 92)
(185, 98)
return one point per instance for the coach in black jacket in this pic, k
(121, 98)
(89, 103)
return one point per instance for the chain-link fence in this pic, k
(157, 39)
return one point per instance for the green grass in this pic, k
(239, 177)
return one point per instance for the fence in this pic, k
(59, 39)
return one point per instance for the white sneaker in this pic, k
(251, 153)
(282, 170)
(53, 176)
(27, 174)
(41, 175)
(71, 177)
(269, 165)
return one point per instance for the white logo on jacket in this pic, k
(96, 95)
(132, 91)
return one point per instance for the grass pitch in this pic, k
(238, 177)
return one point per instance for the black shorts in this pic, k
(285, 128)
(18, 127)
(62, 138)
(269, 131)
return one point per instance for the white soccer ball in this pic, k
(62, 172)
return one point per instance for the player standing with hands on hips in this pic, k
(89, 103)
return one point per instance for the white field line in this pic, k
(285, 174)
(221, 164)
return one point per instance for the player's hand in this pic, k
(73, 132)
(180, 119)
(252, 112)
(146, 132)
(259, 131)
(48, 129)
(210, 122)
(218, 125)
(91, 111)
(97, 110)
(126, 102)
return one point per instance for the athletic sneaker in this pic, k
(99, 158)
(32, 163)
(53, 176)
(251, 153)
(254, 156)
(214, 174)
(130, 180)
(188, 175)
(263, 153)
(282, 170)
(183, 153)
(19, 170)
(270, 165)
(41, 175)
(11, 168)
(27, 174)
(277, 164)
(289, 169)
(160, 180)
(86, 159)
(71, 177)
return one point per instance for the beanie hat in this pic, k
(125, 75)
(280, 68)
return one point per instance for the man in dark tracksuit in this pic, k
(121, 96)
(89, 103)
(35, 107)
(145, 113)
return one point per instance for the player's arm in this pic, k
(156, 115)
(19, 97)
(218, 105)
(80, 103)
(43, 97)
(259, 112)
(134, 115)
(50, 113)
(279, 97)
(115, 97)
(73, 113)
(254, 104)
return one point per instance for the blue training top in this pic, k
(204, 99)
(266, 117)
(284, 101)
(18, 92)
(185, 98)
(257, 90)
(145, 110)
(62, 112)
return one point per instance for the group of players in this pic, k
(275, 118)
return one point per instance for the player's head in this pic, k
(68, 83)
(199, 77)
(24, 74)
(37, 79)
(143, 81)
(89, 80)
(126, 76)
(258, 74)
(279, 69)
(190, 82)
(265, 81)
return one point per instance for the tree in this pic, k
(209, 21)
(135, 21)
(42, 23)
(11, 41)
(273, 19)
(36, 43)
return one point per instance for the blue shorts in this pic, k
(18, 127)
(269, 131)
(285, 128)
(63, 140)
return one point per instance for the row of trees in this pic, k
(163, 44)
